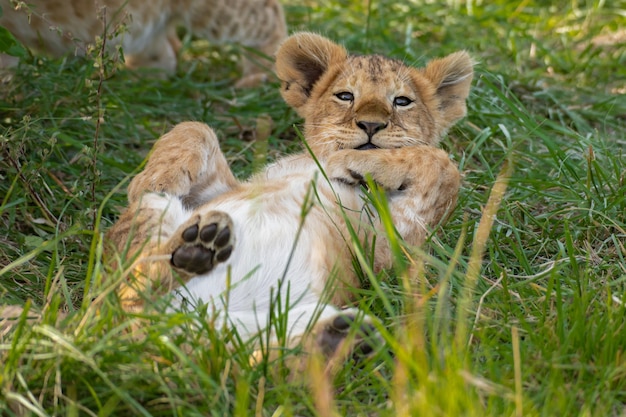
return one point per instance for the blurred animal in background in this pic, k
(146, 30)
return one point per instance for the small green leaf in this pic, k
(9, 45)
(33, 241)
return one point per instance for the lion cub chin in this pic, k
(146, 30)
(192, 230)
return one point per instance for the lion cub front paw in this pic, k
(205, 241)
(352, 167)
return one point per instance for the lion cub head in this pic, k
(368, 102)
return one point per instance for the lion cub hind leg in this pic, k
(185, 169)
(340, 336)
(343, 335)
(336, 337)
(194, 248)
(201, 243)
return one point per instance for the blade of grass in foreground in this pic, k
(478, 249)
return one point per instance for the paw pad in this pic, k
(204, 246)
(363, 342)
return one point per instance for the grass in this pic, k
(534, 327)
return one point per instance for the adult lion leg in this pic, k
(186, 168)
(160, 54)
(269, 31)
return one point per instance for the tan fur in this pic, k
(59, 27)
(397, 111)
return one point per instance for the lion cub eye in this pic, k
(402, 101)
(345, 96)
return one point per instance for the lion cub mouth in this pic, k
(368, 145)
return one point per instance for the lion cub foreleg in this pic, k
(421, 183)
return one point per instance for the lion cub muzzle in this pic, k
(370, 129)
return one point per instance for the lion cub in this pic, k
(149, 39)
(236, 245)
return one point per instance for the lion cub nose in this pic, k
(371, 128)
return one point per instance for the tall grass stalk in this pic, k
(479, 245)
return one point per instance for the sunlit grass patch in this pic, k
(533, 327)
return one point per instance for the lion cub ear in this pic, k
(301, 61)
(452, 78)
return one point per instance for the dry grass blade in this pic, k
(479, 244)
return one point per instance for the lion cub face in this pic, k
(369, 102)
